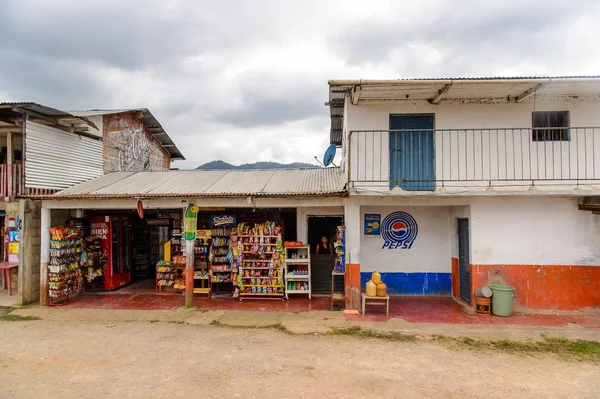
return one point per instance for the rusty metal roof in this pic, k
(210, 183)
(43, 110)
(154, 127)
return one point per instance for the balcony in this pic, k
(10, 180)
(454, 159)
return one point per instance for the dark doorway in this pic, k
(322, 264)
(464, 266)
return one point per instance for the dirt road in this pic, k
(50, 359)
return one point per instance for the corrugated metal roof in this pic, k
(149, 120)
(210, 183)
(47, 111)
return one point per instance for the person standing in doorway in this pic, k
(324, 247)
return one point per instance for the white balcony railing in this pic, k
(429, 159)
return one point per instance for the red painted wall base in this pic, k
(540, 287)
(352, 286)
(455, 281)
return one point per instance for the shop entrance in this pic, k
(121, 248)
(323, 258)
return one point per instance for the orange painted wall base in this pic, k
(455, 287)
(352, 286)
(540, 287)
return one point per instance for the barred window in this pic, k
(550, 125)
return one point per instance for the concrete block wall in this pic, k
(29, 258)
(28, 281)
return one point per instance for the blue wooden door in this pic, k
(464, 264)
(412, 152)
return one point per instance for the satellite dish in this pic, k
(329, 155)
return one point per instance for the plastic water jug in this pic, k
(376, 277)
(381, 289)
(371, 288)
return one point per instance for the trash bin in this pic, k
(502, 299)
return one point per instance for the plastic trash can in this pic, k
(502, 299)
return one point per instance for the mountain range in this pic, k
(257, 165)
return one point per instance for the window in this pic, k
(550, 125)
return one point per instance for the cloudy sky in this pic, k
(246, 81)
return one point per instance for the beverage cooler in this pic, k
(116, 241)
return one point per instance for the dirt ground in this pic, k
(85, 359)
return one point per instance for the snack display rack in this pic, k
(261, 260)
(93, 261)
(64, 276)
(339, 268)
(221, 262)
(201, 274)
(297, 271)
(170, 274)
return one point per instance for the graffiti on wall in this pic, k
(135, 156)
(128, 147)
(399, 231)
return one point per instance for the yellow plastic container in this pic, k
(371, 289)
(381, 289)
(376, 277)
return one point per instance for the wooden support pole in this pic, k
(189, 273)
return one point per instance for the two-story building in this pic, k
(45, 150)
(456, 183)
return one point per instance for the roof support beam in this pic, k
(440, 94)
(525, 95)
(14, 129)
(355, 94)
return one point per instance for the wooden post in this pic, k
(44, 254)
(9, 163)
(189, 273)
(190, 214)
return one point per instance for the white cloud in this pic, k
(246, 81)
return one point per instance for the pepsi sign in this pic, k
(399, 231)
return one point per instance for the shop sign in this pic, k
(204, 235)
(158, 222)
(190, 222)
(13, 248)
(13, 235)
(99, 229)
(222, 221)
(372, 224)
(399, 231)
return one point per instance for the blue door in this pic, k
(411, 152)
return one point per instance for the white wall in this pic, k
(533, 231)
(481, 155)
(456, 212)
(430, 252)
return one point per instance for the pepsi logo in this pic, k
(399, 230)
